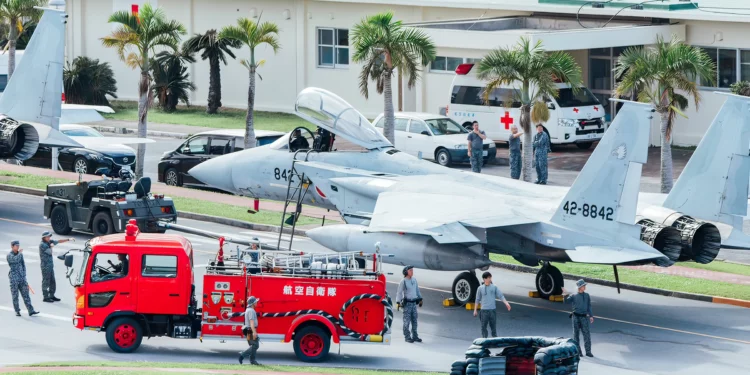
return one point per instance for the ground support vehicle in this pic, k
(309, 300)
(105, 206)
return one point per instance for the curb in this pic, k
(152, 133)
(507, 266)
(180, 214)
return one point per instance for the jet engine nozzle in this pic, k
(661, 237)
(701, 240)
(17, 140)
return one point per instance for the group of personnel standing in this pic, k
(540, 145)
(409, 297)
(17, 274)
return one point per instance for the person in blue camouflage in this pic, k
(17, 277)
(541, 149)
(48, 272)
(476, 148)
(581, 316)
(514, 144)
(408, 296)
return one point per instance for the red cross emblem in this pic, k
(596, 108)
(575, 110)
(506, 120)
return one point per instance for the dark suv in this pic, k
(174, 165)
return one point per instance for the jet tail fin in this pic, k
(604, 196)
(714, 183)
(34, 92)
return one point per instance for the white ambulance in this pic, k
(575, 117)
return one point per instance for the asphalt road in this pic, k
(634, 333)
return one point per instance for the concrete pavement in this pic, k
(634, 333)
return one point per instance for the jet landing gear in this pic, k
(465, 287)
(549, 281)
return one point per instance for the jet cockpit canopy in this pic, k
(330, 112)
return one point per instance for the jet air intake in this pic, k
(700, 240)
(18, 140)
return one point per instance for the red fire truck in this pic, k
(307, 299)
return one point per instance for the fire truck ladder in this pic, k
(295, 193)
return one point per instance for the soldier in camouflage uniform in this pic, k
(18, 281)
(541, 148)
(581, 316)
(514, 144)
(48, 272)
(408, 297)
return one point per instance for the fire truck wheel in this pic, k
(311, 344)
(59, 220)
(124, 335)
(102, 224)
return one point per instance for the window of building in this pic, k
(159, 266)
(730, 63)
(443, 64)
(333, 47)
(602, 80)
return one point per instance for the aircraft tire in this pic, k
(464, 288)
(549, 282)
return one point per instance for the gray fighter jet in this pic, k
(443, 219)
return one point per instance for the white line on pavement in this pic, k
(42, 315)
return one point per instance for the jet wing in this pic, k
(444, 217)
(611, 255)
(79, 114)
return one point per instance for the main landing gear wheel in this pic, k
(549, 281)
(465, 287)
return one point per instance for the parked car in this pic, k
(434, 137)
(86, 159)
(174, 165)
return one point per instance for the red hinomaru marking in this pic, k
(506, 120)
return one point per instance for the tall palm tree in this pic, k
(658, 74)
(533, 72)
(252, 34)
(171, 80)
(87, 81)
(136, 39)
(13, 12)
(385, 45)
(215, 49)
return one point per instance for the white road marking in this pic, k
(42, 315)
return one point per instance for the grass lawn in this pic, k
(649, 279)
(228, 118)
(719, 266)
(182, 204)
(208, 366)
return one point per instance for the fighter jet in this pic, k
(32, 99)
(442, 219)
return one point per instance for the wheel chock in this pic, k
(448, 302)
(533, 294)
(556, 298)
(470, 306)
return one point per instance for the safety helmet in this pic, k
(252, 300)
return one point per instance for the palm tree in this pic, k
(171, 79)
(657, 74)
(136, 39)
(14, 12)
(384, 45)
(252, 34)
(87, 81)
(533, 72)
(215, 49)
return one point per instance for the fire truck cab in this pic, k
(132, 285)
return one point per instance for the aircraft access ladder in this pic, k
(295, 193)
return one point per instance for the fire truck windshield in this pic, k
(82, 271)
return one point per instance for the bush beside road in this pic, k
(227, 118)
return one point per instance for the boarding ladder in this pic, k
(296, 191)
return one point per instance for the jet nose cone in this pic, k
(334, 237)
(216, 173)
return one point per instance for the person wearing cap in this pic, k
(48, 272)
(486, 295)
(250, 330)
(17, 277)
(581, 315)
(408, 297)
(541, 147)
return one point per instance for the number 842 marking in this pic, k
(591, 211)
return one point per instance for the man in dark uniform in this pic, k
(48, 272)
(409, 297)
(581, 316)
(250, 330)
(17, 277)
(121, 268)
(541, 147)
(298, 142)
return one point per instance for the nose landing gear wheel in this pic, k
(465, 287)
(549, 281)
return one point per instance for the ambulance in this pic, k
(575, 116)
